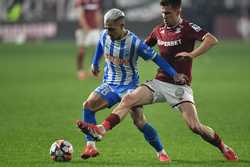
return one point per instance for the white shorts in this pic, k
(87, 39)
(170, 93)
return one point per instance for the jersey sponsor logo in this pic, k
(116, 60)
(169, 43)
(195, 27)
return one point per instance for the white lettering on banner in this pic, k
(131, 3)
(144, 13)
(30, 30)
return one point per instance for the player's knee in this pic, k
(139, 123)
(86, 104)
(89, 104)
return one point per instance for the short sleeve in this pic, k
(151, 39)
(195, 32)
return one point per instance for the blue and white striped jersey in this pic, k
(121, 58)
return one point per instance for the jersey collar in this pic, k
(180, 20)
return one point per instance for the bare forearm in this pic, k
(208, 42)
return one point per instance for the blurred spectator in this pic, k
(14, 11)
(90, 22)
(228, 19)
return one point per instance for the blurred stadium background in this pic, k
(40, 95)
(57, 19)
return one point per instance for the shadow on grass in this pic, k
(211, 162)
(93, 162)
(143, 163)
(157, 163)
(112, 163)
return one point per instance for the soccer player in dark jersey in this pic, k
(176, 39)
(90, 22)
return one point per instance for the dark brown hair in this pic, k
(173, 3)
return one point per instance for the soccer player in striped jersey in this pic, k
(176, 39)
(121, 49)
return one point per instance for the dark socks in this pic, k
(215, 141)
(111, 121)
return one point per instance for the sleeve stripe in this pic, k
(205, 36)
(154, 56)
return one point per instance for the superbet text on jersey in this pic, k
(173, 40)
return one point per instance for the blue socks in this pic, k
(89, 117)
(151, 136)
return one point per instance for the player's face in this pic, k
(170, 15)
(115, 30)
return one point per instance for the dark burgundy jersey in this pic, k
(173, 40)
(90, 7)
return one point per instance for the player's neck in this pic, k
(175, 23)
(123, 34)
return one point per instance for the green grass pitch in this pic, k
(40, 99)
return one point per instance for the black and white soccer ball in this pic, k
(61, 150)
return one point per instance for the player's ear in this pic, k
(179, 11)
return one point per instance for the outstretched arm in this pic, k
(148, 53)
(164, 65)
(96, 59)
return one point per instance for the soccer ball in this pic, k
(61, 150)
